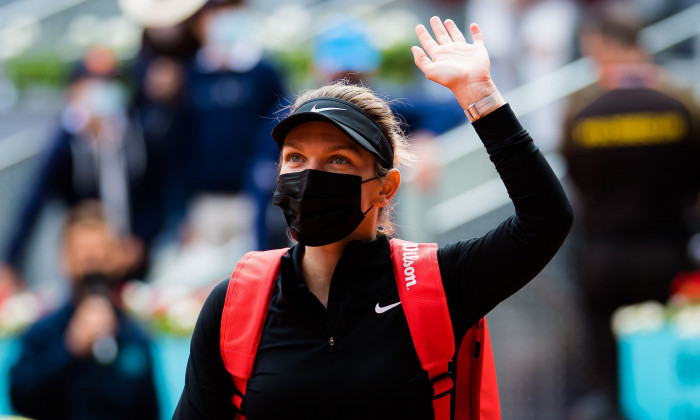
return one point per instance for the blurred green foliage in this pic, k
(297, 65)
(44, 69)
(397, 64)
(51, 70)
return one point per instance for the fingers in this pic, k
(476, 33)
(420, 58)
(444, 34)
(454, 31)
(426, 41)
(439, 30)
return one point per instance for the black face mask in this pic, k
(320, 207)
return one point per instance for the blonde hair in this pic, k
(378, 109)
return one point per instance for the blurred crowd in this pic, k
(166, 166)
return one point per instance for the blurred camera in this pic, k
(96, 283)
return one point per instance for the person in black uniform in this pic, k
(632, 142)
(340, 269)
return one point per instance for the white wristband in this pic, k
(482, 107)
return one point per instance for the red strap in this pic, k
(425, 305)
(489, 403)
(476, 388)
(251, 284)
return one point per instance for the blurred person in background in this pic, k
(344, 51)
(159, 109)
(207, 96)
(233, 92)
(86, 360)
(98, 152)
(632, 144)
(167, 47)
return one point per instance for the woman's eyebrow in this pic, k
(331, 148)
(290, 143)
(340, 147)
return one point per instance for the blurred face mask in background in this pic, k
(229, 27)
(100, 98)
(231, 36)
(105, 98)
(94, 98)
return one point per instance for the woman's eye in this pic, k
(339, 160)
(293, 158)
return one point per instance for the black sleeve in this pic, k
(480, 273)
(208, 386)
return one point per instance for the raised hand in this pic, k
(93, 318)
(451, 61)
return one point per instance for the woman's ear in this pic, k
(392, 181)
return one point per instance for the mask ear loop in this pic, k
(371, 205)
(371, 179)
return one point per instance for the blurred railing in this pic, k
(16, 153)
(35, 10)
(471, 188)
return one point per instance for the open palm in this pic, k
(454, 63)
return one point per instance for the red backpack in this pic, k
(471, 394)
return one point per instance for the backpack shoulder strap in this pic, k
(476, 385)
(247, 299)
(423, 299)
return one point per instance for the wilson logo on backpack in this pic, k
(410, 254)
